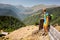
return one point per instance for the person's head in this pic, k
(44, 9)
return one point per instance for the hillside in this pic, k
(34, 18)
(11, 10)
(24, 12)
(9, 23)
(40, 6)
(20, 11)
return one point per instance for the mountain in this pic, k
(23, 9)
(40, 6)
(9, 18)
(30, 10)
(29, 15)
(35, 18)
(27, 11)
(20, 11)
(10, 10)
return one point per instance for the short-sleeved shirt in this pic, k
(45, 17)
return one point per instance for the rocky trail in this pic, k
(27, 33)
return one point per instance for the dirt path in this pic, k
(27, 33)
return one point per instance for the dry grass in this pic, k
(27, 33)
(58, 28)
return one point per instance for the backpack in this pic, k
(50, 17)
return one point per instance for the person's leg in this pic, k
(48, 27)
(45, 30)
(41, 24)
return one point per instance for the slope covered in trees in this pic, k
(9, 23)
(35, 18)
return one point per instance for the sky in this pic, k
(30, 3)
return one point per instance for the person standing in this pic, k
(47, 18)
